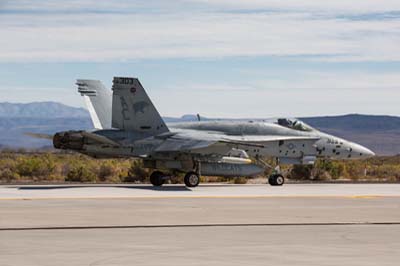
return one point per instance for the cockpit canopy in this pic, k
(294, 124)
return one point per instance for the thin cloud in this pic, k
(95, 37)
(344, 6)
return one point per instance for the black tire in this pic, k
(276, 180)
(156, 178)
(271, 180)
(192, 179)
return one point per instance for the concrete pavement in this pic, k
(323, 224)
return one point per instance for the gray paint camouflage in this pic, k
(148, 137)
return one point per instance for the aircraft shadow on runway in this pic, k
(150, 187)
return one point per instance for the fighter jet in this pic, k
(218, 148)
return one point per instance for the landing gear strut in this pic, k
(276, 178)
(192, 178)
(157, 178)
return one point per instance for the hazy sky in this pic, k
(245, 58)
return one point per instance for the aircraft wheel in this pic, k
(156, 178)
(192, 179)
(276, 180)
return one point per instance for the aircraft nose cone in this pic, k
(361, 151)
(370, 153)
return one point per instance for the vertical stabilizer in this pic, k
(132, 108)
(98, 100)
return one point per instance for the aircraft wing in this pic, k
(193, 141)
(173, 144)
(206, 143)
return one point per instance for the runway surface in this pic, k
(313, 224)
(204, 190)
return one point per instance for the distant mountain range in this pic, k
(380, 133)
(41, 110)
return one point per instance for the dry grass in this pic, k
(62, 167)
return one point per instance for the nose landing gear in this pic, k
(276, 180)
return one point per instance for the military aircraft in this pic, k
(218, 148)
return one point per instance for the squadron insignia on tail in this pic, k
(132, 109)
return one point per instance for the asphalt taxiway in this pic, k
(297, 224)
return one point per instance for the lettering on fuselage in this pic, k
(333, 141)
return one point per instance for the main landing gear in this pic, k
(191, 179)
(157, 178)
